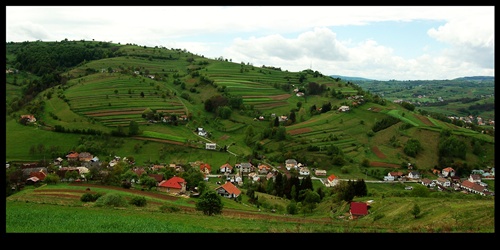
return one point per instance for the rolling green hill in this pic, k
(156, 87)
(153, 104)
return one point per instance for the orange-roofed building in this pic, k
(205, 168)
(175, 185)
(332, 180)
(228, 190)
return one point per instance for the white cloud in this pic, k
(290, 37)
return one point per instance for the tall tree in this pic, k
(210, 203)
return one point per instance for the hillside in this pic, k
(142, 95)
(133, 109)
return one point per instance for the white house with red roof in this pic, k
(175, 185)
(228, 190)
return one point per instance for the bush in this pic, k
(111, 200)
(89, 197)
(138, 201)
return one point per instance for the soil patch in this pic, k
(379, 153)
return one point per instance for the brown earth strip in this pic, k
(379, 153)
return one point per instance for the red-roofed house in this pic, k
(358, 209)
(72, 156)
(36, 176)
(228, 190)
(447, 172)
(226, 168)
(331, 181)
(176, 185)
(205, 168)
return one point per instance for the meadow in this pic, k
(106, 95)
(453, 213)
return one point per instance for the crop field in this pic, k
(117, 100)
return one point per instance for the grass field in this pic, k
(57, 209)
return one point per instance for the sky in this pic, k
(374, 42)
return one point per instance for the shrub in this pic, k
(138, 201)
(89, 197)
(111, 200)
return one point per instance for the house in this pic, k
(226, 168)
(448, 172)
(397, 175)
(139, 171)
(210, 146)
(202, 132)
(175, 185)
(270, 175)
(304, 171)
(61, 172)
(332, 180)
(72, 156)
(156, 167)
(393, 176)
(263, 169)
(246, 167)
(388, 177)
(476, 178)
(228, 190)
(358, 209)
(414, 175)
(443, 182)
(29, 118)
(205, 168)
(83, 171)
(320, 172)
(290, 163)
(254, 176)
(36, 176)
(85, 156)
(427, 182)
(343, 108)
(58, 161)
(474, 188)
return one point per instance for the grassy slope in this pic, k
(96, 92)
(386, 214)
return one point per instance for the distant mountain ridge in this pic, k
(470, 78)
(351, 78)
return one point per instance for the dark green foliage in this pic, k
(90, 197)
(111, 200)
(408, 106)
(138, 201)
(452, 147)
(210, 203)
(384, 123)
(415, 211)
(412, 147)
(212, 104)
